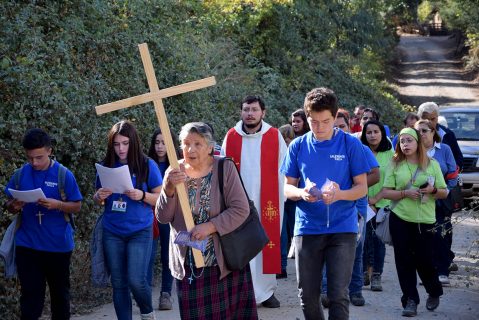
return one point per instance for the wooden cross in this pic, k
(155, 95)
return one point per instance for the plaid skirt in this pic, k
(209, 298)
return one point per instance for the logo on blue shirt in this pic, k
(337, 157)
(51, 184)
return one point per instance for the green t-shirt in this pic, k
(383, 159)
(408, 209)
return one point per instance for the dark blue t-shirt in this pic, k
(54, 234)
(339, 160)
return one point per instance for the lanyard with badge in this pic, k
(119, 205)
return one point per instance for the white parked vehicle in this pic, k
(464, 122)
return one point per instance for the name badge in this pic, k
(118, 206)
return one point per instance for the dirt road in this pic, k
(428, 73)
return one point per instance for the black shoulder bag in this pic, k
(245, 242)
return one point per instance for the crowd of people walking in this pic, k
(316, 182)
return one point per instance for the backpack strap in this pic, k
(17, 175)
(62, 174)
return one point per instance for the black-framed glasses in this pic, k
(422, 131)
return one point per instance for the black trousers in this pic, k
(443, 255)
(413, 251)
(37, 268)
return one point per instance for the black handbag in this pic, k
(245, 242)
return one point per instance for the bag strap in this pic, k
(221, 178)
(408, 185)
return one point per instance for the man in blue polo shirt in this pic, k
(44, 239)
(326, 223)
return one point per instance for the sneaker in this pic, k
(166, 302)
(282, 275)
(432, 303)
(453, 267)
(376, 282)
(325, 300)
(357, 299)
(444, 280)
(272, 302)
(411, 309)
(148, 316)
(366, 281)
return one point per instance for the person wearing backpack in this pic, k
(44, 236)
(128, 221)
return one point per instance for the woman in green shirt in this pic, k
(374, 136)
(413, 182)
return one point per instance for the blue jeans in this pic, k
(127, 258)
(166, 277)
(374, 249)
(357, 277)
(336, 250)
(287, 230)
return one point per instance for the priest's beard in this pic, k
(252, 125)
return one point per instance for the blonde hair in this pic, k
(287, 131)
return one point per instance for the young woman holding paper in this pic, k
(127, 221)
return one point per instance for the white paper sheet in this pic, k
(27, 195)
(117, 180)
(370, 214)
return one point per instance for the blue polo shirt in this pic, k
(339, 159)
(138, 214)
(54, 234)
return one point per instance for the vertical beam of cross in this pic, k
(155, 95)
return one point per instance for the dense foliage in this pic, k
(58, 60)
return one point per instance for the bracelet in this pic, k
(434, 191)
(60, 208)
(144, 194)
(403, 194)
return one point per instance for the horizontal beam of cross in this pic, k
(151, 96)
